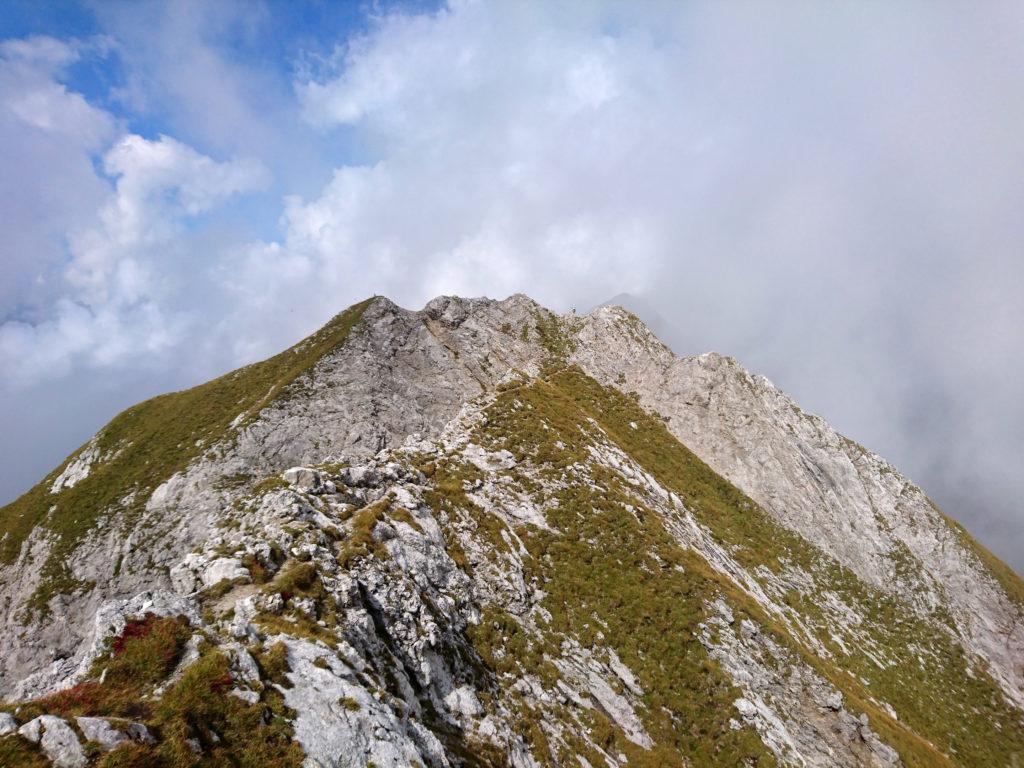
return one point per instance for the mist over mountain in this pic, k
(830, 194)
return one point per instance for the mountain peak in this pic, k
(483, 533)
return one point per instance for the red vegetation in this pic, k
(84, 697)
(140, 657)
(221, 683)
(134, 628)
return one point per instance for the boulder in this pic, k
(249, 697)
(57, 739)
(138, 732)
(222, 568)
(99, 730)
(360, 477)
(303, 478)
(32, 730)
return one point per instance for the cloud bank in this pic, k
(830, 193)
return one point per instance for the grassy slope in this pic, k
(947, 706)
(1004, 575)
(608, 577)
(155, 439)
(932, 685)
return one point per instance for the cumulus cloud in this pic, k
(207, 72)
(502, 155)
(158, 184)
(829, 192)
(48, 186)
(35, 98)
(109, 257)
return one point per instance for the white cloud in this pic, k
(31, 95)
(78, 335)
(508, 159)
(48, 185)
(203, 71)
(830, 192)
(159, 183)
(116, 256)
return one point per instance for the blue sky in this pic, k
(830, 192)
(278, 35)
(274, 42)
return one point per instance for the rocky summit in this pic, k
(485, 534)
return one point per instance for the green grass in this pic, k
(297, 579)
(604, 562)
(360, 542)
(16, 752)
(557, 334)
(231, 732)
(350, 704)
(952, 703)
(128, 756)
(946, 699)
(608, 581)
(156, 439)
(273, 664)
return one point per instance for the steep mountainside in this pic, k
(484, 534)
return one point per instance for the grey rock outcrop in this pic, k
(7, 724)
(831, 491)
(57, 739)
(111, 734)
(99, 730)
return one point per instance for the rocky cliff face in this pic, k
(485, 534)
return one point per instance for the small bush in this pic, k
(273, 663)
(230, 731)
(349, 703)
(298, 579)
(147, 650)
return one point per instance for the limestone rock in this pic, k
(57, 739)
(303, 478)
(78, 469)
(223, 569)
(99, 730)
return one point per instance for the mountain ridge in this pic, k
(430, 464)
